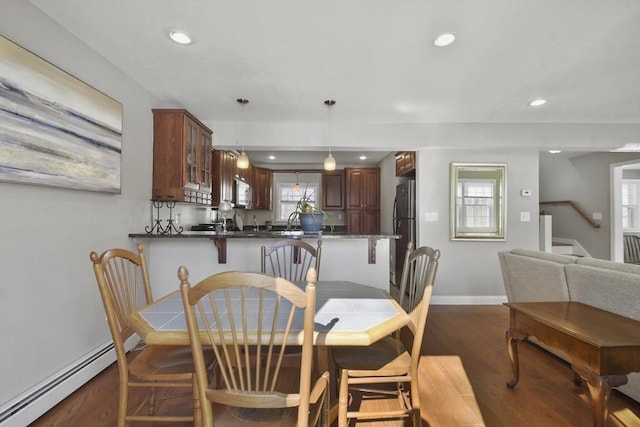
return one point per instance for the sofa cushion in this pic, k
(562, 259)
(610, 265)
(614, 291)
(528, 279)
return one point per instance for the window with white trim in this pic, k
(477, 204)
(630, 204)
(287, 195)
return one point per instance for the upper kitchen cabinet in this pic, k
(363, 200)
(261, 188)
(182, 150)
(224, 173)
(406, 163)
(333, 188)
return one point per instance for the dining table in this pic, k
(347, 313)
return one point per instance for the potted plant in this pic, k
(308, 215)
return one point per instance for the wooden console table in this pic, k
(601, 346)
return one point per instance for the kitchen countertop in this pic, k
(261, 234)
(241, 241)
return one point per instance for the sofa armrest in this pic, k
(530, 279)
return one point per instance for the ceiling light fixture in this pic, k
(444, 40)
(537, 102)
(329, 161)
(363, 157)
(555, 151)
(243, 160)
(271, 157)
(296, 188)
(180, 36)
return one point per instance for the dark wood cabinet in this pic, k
(181, 158)
(224, 172)
(406, 163)
(363, 200)
(261, 188)
(333, 188)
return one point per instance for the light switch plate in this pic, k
(597, 215)
(431, 216)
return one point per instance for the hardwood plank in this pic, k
(463, 383)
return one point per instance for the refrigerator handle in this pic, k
(394, 214)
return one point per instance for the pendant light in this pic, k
(329, 161)
(296, 188)
(243, 160)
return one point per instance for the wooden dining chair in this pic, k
(237, 311)
(389, 361)
(290, 259)
(123, 281)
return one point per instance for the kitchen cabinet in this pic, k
(406, 163)
(182, 148)
(333, 188)
(261, 188)
(224, 173)
(363, 200)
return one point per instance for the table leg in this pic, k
(513, 336)
(600, 390)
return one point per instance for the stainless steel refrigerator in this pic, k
(404, 223)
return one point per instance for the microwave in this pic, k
(243, 194)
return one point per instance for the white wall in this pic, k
(50, 309)
(585, 180)
(469, 271)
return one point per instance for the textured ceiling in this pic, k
(377, 60)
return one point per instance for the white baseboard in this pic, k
(468, 300)
(30, 405)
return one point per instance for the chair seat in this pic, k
(164, 362)
(387, 357)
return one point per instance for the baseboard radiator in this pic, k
(44, 396)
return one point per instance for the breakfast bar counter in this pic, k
(360, 258)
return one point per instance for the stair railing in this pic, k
(577, 208)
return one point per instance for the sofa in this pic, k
(531, 276)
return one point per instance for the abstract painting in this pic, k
(55, 130)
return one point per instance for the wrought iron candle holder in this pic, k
(157, 227)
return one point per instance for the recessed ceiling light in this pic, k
(555, 151)
(444, 40)
(271, 157)
(180, 36)
(537, 102)
(363, 157)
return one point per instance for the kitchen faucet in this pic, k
(256, 228)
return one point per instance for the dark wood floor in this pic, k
(462, 382)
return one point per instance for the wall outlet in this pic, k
(525, 217)
(177, 218)
(597, 215)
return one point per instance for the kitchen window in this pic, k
(287, 195)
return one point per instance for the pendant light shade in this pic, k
(296, 188)
(242, 162)
(329, 161)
